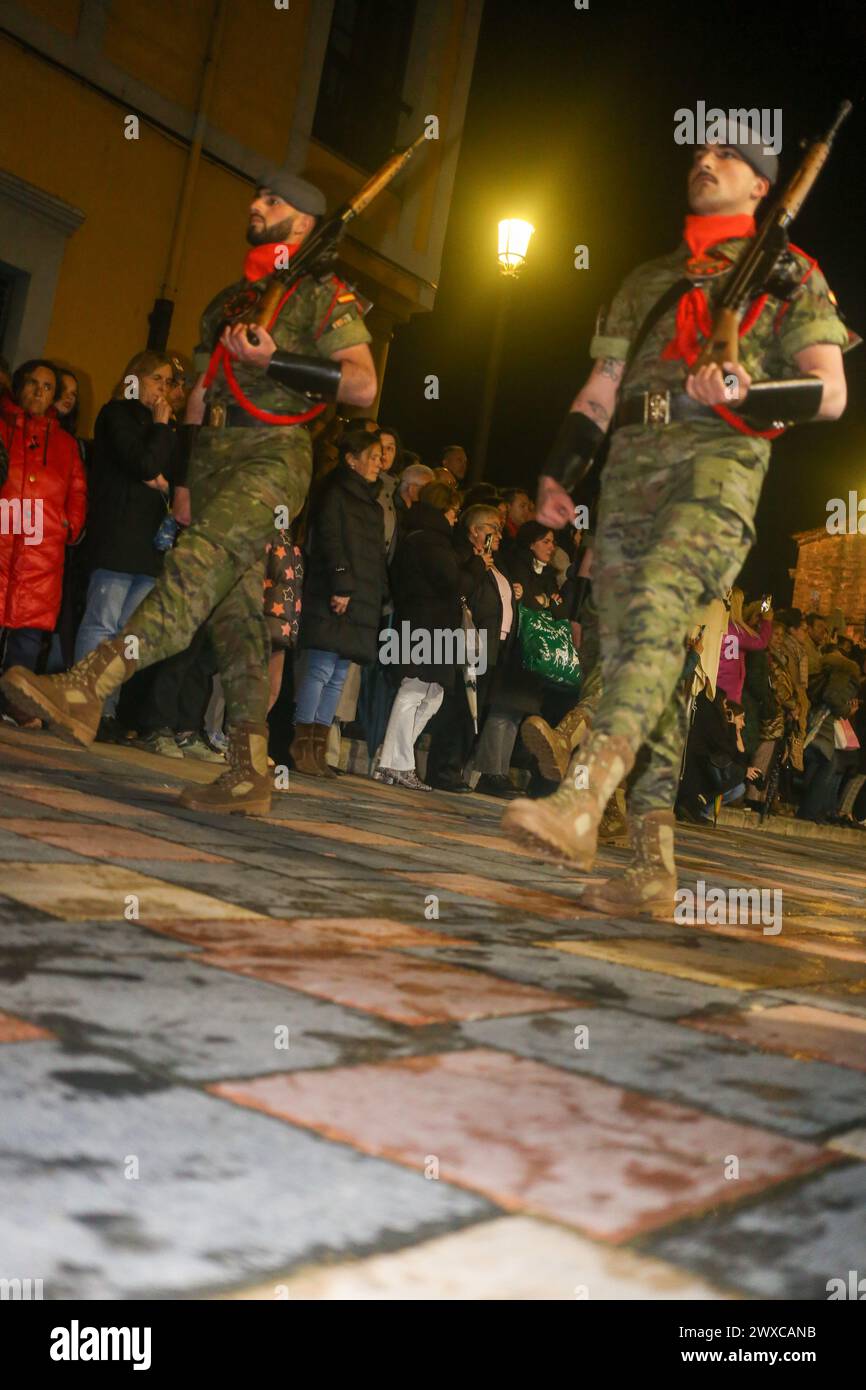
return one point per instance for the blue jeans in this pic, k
(23, 646)
(319, 693)
(112, 598)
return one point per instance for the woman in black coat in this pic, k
(516, 692)
(425, 580)
(345, 587)
(132, 464)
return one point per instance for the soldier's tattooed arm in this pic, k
(597, 398)
(824, 360)
(358, 385)
(194, 413)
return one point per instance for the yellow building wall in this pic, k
(128, 189)
(63, 14)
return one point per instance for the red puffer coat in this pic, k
(44, 466)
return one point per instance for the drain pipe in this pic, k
(163, 308)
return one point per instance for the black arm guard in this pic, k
(317, 376)
(790, 402)
(574, 449)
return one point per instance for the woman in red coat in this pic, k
(42, 509)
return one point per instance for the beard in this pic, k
(260, 235)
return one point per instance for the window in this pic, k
(360, 94)
(13, 290)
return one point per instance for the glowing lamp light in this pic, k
(514, 237)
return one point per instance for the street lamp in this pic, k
(513, 244)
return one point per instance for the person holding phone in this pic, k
(742, 637)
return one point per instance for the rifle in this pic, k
(764, 265)
(318, 251)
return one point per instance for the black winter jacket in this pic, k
(516, 688)
(124, 514)
(425, 583)
(481, 592)
(345, 555)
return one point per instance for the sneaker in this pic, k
(410, 780)
(192, 745)
(218, 740)
(160, 742)
(384, 774)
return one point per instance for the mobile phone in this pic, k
(488, 544)
(766, 601)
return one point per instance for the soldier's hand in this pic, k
(553, 505)
(715, 385)
(235, 339)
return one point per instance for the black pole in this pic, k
(159, 319)
(491, 380)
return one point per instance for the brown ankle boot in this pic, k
(303, 752)
(72, 703)
(551, 747)
(320, 748)
(648, 886)
(565, 825)
(245, 786)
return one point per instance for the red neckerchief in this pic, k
(260, 261)
(694, 321)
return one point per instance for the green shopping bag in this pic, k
(547, 648)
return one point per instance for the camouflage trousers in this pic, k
(675, 526)
(215, 574)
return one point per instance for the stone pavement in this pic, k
(367, 1048)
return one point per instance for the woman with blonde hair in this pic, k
(739, 639)
(133, 452)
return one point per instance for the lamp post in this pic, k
(514, 237)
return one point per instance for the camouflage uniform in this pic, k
(238, 477)
(676, 516)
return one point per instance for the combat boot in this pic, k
(649, 884)
(303, 751)
(245, 786)
(552, 748)
(72, 703)
(565, 825)
(320, 748)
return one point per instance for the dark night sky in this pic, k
(570, 124)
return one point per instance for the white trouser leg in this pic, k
(416, 702)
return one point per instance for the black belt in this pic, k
(221, 416)
(661, 408)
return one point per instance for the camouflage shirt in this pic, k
(320, 318)
(767, 349)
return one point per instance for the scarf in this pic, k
(694, 320)
(259, 261)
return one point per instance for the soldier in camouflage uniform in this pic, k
(244, 466)
(676, 518)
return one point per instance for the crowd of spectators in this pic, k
(387, 546)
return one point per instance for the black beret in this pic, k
(295, 190)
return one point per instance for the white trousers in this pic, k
(415, 705)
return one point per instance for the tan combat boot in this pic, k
(565, 825)
(320, 748)
(648, 886)
(303, 751)
(72, 703)
(552, 748)
(245, 786)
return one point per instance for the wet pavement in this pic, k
(368, 1048)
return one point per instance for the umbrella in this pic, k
(472, 648)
